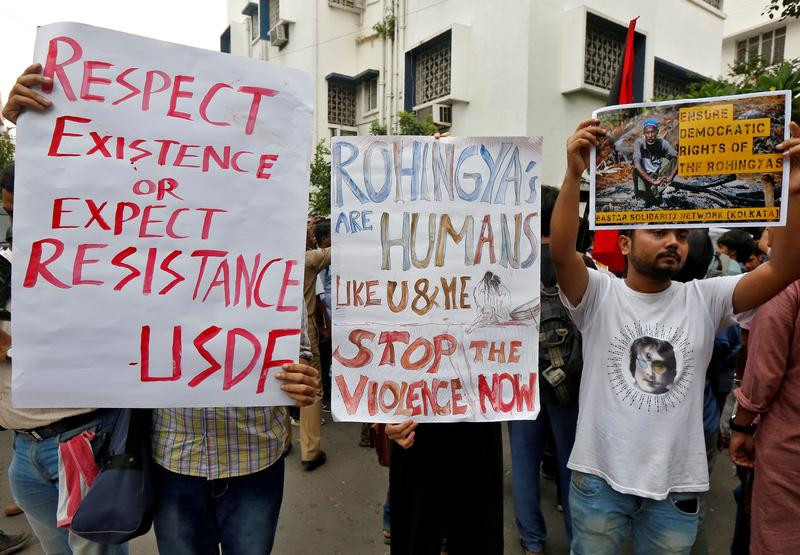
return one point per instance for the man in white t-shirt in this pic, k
(639, 459)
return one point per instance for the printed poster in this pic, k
(692, 163)
(435, 278)
(159, 225)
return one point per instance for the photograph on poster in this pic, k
(691, 163)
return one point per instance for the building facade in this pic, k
(510, 67)
(749, 33)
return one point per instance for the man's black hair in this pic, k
(322, 230)
(549, 197)
(738, 241)
(701, 251)
(7, 178)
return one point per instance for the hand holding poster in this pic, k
(159, 225)
(691, 163)
(435, 278)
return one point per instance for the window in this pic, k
(741, 51)
(254, 25)
(768, 46)
(352, 5)
(342, 104)
(370, 95)
(603, 51)
(432, 72)
(605, 44)
(274, 13)
(225, 41)
(714, 3)
(666, 85)
(251, 11)
(348, 94)
(341, 132)
(778, 45)
(671, 80)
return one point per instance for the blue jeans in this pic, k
(33, 477)
(602, 518)
(195, 515)
(527, 449)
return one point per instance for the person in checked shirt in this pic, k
(219, 472)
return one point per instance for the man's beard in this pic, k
(652, 271)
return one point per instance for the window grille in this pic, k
(604, 48)
(432, 73)
(714, 3)
(341, 104)
(667, 84)
(274, 13)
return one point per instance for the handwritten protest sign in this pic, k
(435, 278)
(159, 226)
(692, 163)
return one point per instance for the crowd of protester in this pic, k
(631, 458)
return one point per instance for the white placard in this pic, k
(160, 225)
(435, 278)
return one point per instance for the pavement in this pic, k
(336, 509)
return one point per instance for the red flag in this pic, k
(626, 85)
(606, 244)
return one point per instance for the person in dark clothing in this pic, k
(529, 437)
(462, 502)
(655, 164)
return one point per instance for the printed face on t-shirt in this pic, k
(653, 365)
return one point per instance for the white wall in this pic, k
(744, 16)
(687, 33)
(556, 39)
(745, 19)
(509, 57)
(489, 61)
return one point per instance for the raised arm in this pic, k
(783, 267)
(571, 272)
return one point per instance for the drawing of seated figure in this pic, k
(492, 302)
